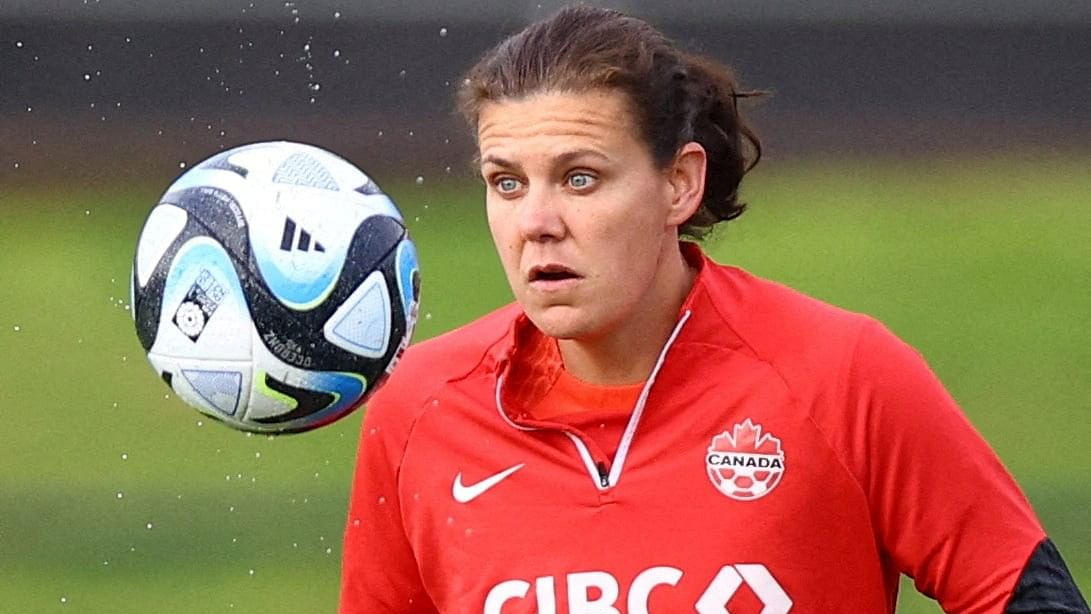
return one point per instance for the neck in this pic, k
(627, 353)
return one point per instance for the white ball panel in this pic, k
(361, 324)
(164, 225)
(204, 311)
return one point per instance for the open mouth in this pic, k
(551, 272)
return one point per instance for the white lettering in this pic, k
(547, 597)
(766, 588)
(640, 591)
(579, 595)
(504, 592)
(738, 459)
(723, 586)
(597, 592)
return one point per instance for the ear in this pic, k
(686, 176)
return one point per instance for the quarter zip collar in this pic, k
(522, 332)
(603, 480)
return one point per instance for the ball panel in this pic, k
(218, 388)
(204, 310)
(361, 324)
(408, 276)
(302, 169)
(222, 390)
(164, 225)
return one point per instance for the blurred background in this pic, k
(927, 162)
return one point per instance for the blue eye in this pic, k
(507, 184)
(581, 180)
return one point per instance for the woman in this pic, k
(645, 430)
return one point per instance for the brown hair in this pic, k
(675, 97)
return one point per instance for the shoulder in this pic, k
(783, 326)
(427, 366)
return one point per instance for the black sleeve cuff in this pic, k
(1046, 586)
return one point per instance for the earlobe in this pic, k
(687, 178)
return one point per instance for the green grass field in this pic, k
(115, 498)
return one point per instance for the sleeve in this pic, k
(1046, 586)
(945, 511)
(379, 572)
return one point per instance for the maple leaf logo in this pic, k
(746, 437)
(745, 463)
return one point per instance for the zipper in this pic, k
(602, 477)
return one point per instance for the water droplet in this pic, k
(257, 454)
(87, 212)
(251, 572)
(382, 500)
(428, 316)
(86, 76)
(200, 423)
(306, 47)
(443, 31)
(420, 180)
(17, 328)
(149, 525)
(120, 495)
(450, 520)
(16, 165)
(29, 108)
(90, 47)
(329, 550)
(401, 74)
(336, 53)
(337, 14)
(19, 44)
(64, 599)
(469, 532)
(315, 86)
(356, 522)
(124, 456)
(182, 164)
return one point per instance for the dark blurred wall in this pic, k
(105, 100)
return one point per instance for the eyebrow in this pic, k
(565, 158)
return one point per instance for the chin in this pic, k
(560, 322)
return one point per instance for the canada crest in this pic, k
(744, 463)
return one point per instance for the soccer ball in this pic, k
(274, 287)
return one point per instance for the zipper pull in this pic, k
(604, 475)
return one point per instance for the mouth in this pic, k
(549, 274)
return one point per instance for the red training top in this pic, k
(784, 455)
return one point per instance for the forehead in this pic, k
(553, 123)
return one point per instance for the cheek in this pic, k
(503, 237)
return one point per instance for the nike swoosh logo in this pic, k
(464, 494)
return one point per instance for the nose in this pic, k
(540, 216)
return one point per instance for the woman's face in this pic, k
(582, 218)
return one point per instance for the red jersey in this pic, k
(784, 456)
